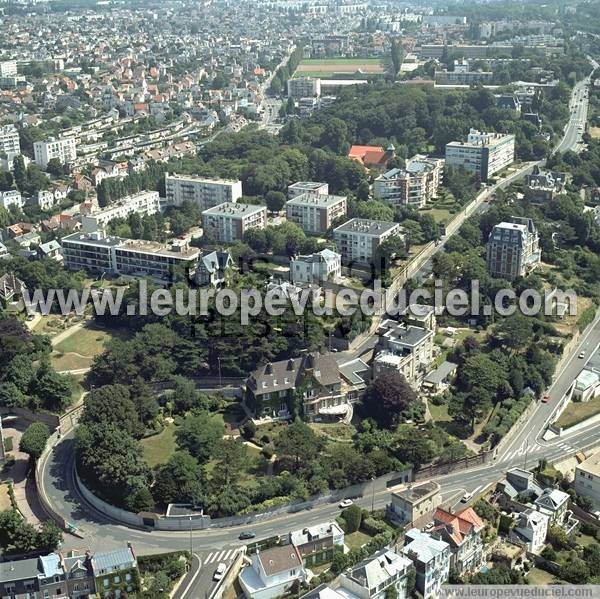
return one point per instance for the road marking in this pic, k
(209, 558)
(227, 555)
(196, 574)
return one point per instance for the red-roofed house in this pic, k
(462, 531)
(374, 157)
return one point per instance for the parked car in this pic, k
(545, 398)
(346, 503)
(220, 571)
(467, 497)
(247, 535)
(581, 355)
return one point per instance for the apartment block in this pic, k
(303, 87)
(483, 153)
(315, 212)
(463, 77)
(414, 185)
(231, 220)
(10, 146)
(204, 193)
(317, 268)
(143, 203)
(431, 558)
(301, 187)
(415, 504)
(358, 239)
(64, 150)
(97, 253)
(513, 249)
(11, 198)
(587, 479)
(8, 68)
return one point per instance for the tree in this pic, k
(352, 516)
(232, 455)
(591, 556)
(180, 480)
(6, 180)
(34, 439)
(20, 172)
(112, 404)
(50, 537)
(575, 571)
(297, 445)
(275, 200)
(53, 389)
(16, 535)
(387, 397)
(199, 434)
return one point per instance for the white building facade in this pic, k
(204, 193)
(229, 221)
(64, 150)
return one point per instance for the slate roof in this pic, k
(279, 559)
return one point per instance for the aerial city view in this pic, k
(299, 299)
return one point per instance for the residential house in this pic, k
(462, 531)
(315, 380)
(419, 315)
(11, 290)
(404, 348)
(317, 544)
(115, 572)
(542, 186)
(357, 240)
(441, 378)
(316, 268)
(212, 269)
(79, 574)
(51, 249)
(554, 503)
(415, 504)
(431, 558)
(518, 485)
(372, 157)
(530, 530)
(377, 576)
(45, 200)
(11, 198)
(272, 572)
(315, 212)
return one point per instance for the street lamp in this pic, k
(191, 540)
(372, 494)
(220, 378)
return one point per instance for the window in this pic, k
(128, 577)
(105, 583)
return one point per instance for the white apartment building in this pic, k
(64, 150)
(483, 153)
(315, 212)
(10, 146)
(303, 87)
(205, 193)
(45, 199)
(414, 185)
(11, 198)
(376, 576)
(8, 68)
(587, 479)
(143, 203)
(301, 187)
(358, 239)
(325, 265)
(431, 558)
(97, 253)
(513, 249)
(231, 220)
(530, 530)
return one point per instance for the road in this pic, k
(215, 545)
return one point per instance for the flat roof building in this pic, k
(300, 187)
(231, 220)
(95, 252)
(64, 150)
(483, 153)
(203, 192)
(315, 212)
(358, 239)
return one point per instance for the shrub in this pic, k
(248, 430)
(352, 516)
(373, 527)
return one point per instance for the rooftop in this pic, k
(234, 209)
(279, 559)
(416, 493)
(367, 226)
(322, 200)
(591, 465)
(177, 177)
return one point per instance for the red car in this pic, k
(546, 398)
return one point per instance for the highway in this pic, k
(213, 545)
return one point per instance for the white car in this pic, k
(346, 503)
(220, 571)
(581, 355)
(467, 497)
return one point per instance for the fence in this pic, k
(455, 465)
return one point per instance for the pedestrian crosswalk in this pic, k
(215, 557)
(566, 448)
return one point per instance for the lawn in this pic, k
(439, 413)
(50, 325)
(584, 540)
(578, 411)
(66, 362)
(541, 577)
(159, 448)
(335, 431)
(356, 540)
(328, 67)
(87, 341)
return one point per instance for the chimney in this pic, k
(269, 368)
